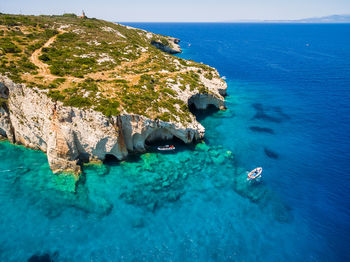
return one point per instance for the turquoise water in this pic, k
(288, 112)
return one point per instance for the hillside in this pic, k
(93, 63)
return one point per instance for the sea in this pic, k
(288, 111)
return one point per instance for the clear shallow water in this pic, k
(288, 112)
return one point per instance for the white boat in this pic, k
(166, 148)
(255, 174)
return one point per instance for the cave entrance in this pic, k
(111, 160)
(163, 137)
(201, 114)
(156, 142)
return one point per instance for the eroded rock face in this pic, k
(202, 101)
(136, 130)
(70, 135)
(172, 48)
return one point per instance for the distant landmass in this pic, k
(325, 19)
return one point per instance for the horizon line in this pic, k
(237, 22)
(307, 20)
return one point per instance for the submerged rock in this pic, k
(165, 184)
(138, 222)
(229, 154)
(261, 129)
(98, 167)
(276, 115)
(44, 257)
(270, 153)
(150, 161)
(214, 153)
(184, 175)
(219, 160)
(202, 147)
(65, 182)
(152, 206)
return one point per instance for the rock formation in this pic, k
(71, 135)
(91, 113)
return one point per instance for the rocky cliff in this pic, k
(72, 135)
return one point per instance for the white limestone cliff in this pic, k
(70, 135)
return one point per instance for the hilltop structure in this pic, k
(83, 15)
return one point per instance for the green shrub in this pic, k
(52, 86)
(59, 81)
(8, 47)
(165, 117)
(121, 81)
(108, 107)
(44, 58)
(183, 62)
(203, 90)
(71, 15)
(89, 85)
(165, 42)
(35, 46)
(55, 70)
(209, 75)
(67, 37)
(50, 32)
(77, 101)
(29, 66)
(71, 91)
(56, 95)
(169, 91)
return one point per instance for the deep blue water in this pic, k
(288, 111)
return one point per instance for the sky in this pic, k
(181, 10)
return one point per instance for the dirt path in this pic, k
(43, 68)
(45, 73)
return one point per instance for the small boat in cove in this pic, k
(255, 174)
(166, 148)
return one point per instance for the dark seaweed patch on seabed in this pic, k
(261, 129)
(270, 153)
(43, 257)
(277, 115)
(280, 112)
